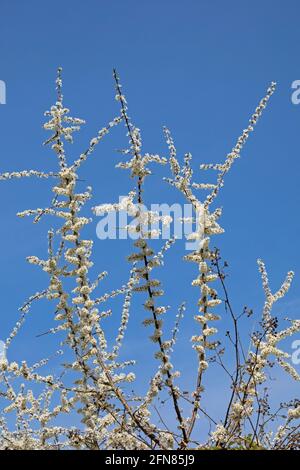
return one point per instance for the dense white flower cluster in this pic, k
(26, 174)
(145, 258)
(79, 319)
(258, 360)
(220, 434)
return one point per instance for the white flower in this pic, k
(220, 434)
(294, 413)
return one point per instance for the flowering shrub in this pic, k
(95, 385)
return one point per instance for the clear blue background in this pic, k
(199, 67)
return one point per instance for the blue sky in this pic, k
(199, 67)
